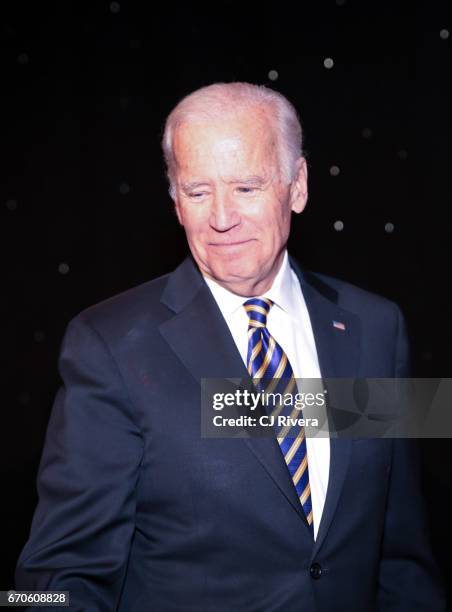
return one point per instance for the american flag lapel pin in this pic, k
(339, 325)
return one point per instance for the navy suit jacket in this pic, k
(138, 513)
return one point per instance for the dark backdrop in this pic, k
(84, 206)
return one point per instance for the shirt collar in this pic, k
(282, 292)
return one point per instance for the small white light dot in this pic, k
(124, 188)
(338, 226)
(328, 62)
(335, 170)
(63, 268)
(389, 228)
(22, 59)
(11, 204)
(273, 75)
(444, 34)
(366, 132)
(115, 7)
(39, 336)
(402, 154)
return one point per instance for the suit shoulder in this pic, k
(128, 308)
(352, 297)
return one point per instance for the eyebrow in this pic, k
(249, 180)
(193, 185)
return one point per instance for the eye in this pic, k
(246, 189)
(196, 195)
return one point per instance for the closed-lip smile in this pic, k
(229, 244)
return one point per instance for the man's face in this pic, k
(232, 200)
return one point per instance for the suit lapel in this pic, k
(338, 354)
(197, 332)
(337, 348)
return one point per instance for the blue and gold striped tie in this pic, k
(271, 371)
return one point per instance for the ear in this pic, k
(299, 186)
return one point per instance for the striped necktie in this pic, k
(271, 371)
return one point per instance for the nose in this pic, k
(223, 215)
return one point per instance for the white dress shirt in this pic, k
(289, 323)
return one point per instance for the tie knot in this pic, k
(257, 310)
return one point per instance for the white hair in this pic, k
(217, 100)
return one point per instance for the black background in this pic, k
(85, 211)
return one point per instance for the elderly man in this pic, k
(137, 511)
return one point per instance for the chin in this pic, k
(235, 272)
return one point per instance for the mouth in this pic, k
(228, 245)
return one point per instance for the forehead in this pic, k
(241, 139)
